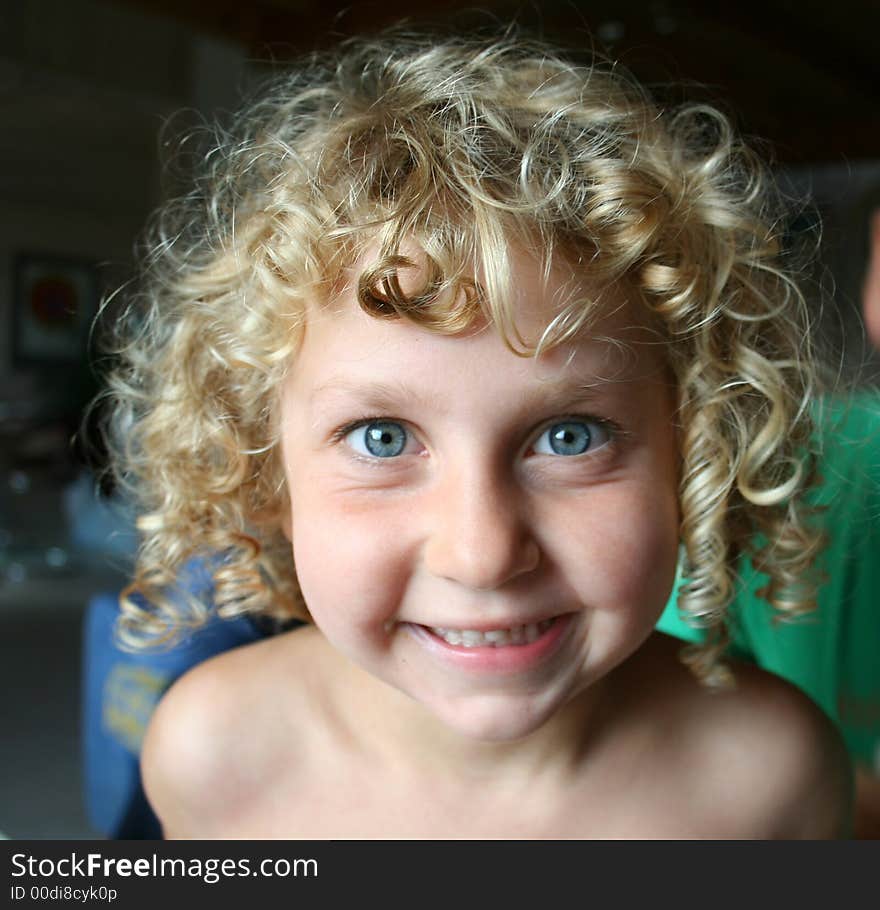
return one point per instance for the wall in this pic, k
(85, 88)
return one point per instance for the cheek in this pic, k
(622, 551)
(647, 569)
(347, 569)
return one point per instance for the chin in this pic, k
(494, 718)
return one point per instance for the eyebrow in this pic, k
(372, 392)
(385, 395)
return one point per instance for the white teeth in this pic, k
(470, 638)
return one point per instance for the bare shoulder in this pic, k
(761, 759)
(782, 750)
(219, 734)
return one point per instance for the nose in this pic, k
(479, 535)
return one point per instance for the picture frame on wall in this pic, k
(54, 302)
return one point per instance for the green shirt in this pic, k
(834, 653)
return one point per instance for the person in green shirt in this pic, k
(832, 654)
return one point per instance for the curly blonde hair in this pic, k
(467, 146)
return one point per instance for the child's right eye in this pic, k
(378, 439)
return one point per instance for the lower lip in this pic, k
(492, 659)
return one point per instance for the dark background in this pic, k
(92, 92)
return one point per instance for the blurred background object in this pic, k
(93, 94)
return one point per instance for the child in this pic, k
(453, 350)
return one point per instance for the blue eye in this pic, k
(378, 439)
(571, 437)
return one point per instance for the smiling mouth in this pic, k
(494, 638)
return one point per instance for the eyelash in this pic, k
(616, 433)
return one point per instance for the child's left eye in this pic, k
(571, 437)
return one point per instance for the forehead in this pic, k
(345, 347)
(525, 292)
